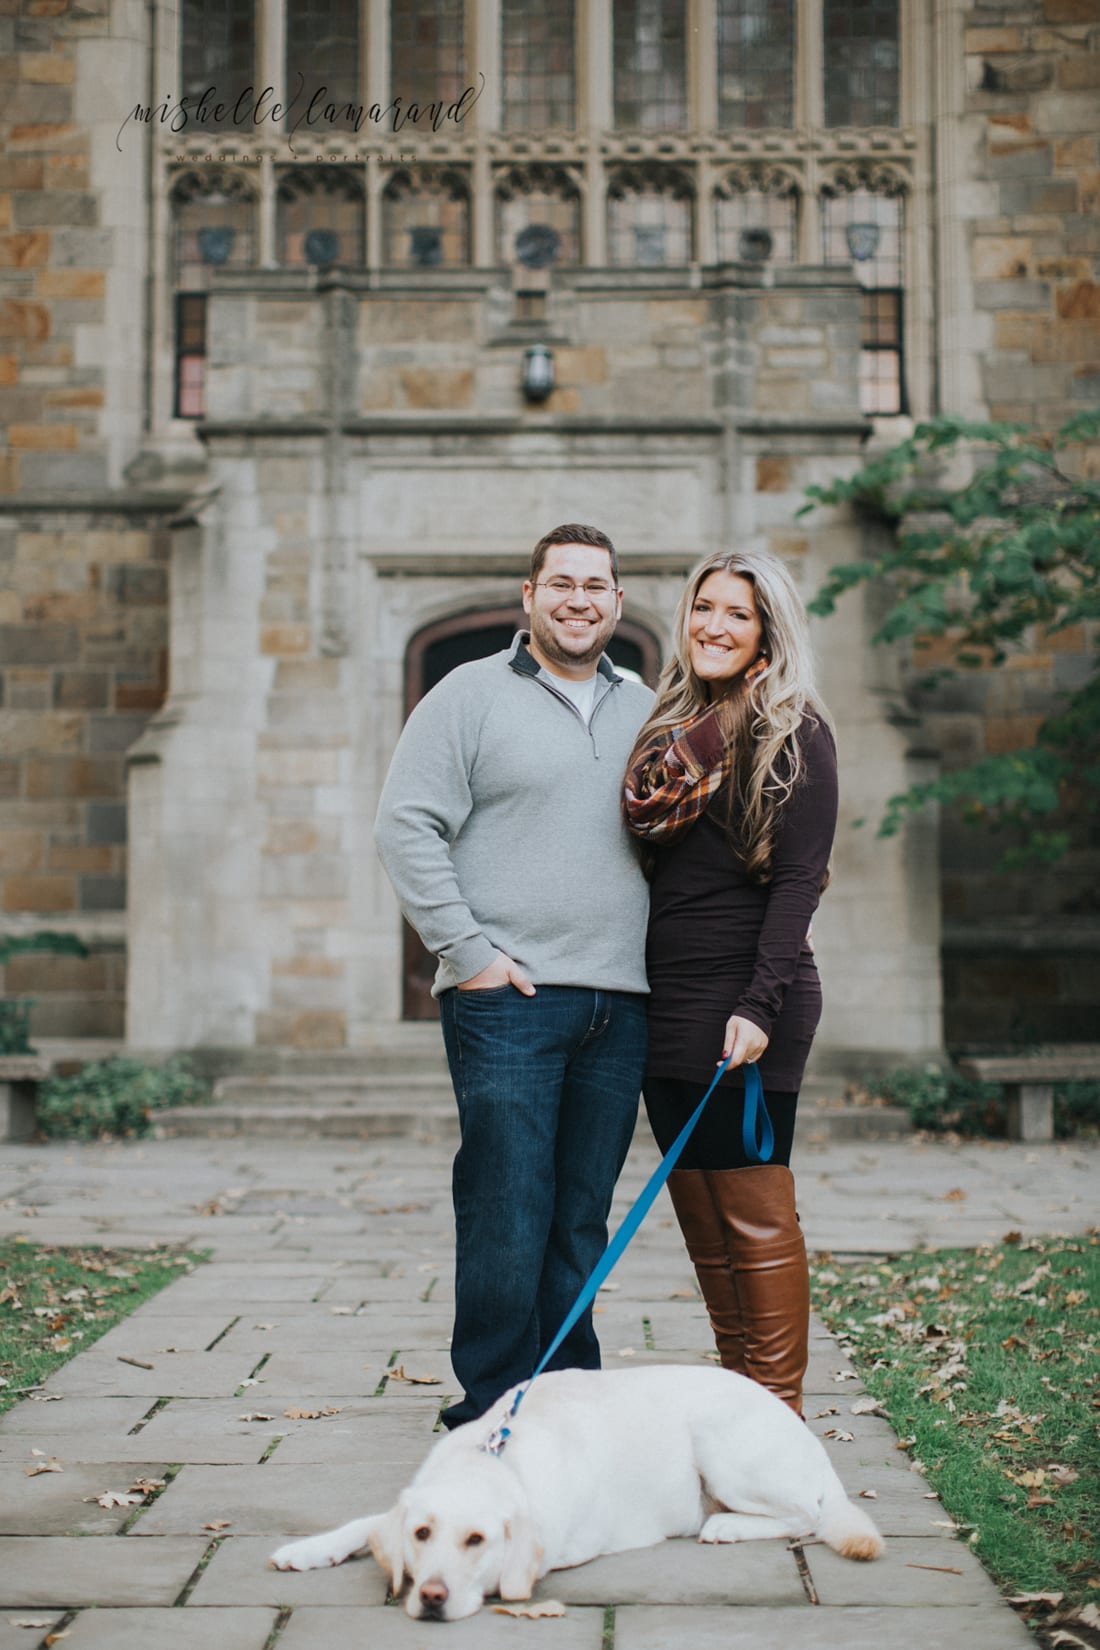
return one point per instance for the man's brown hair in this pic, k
(573, 533)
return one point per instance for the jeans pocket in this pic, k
(491, 992)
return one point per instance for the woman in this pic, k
(732, 788)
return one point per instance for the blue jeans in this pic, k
(547, 1090)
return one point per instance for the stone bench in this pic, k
(1029, 1080)
(20, 1075)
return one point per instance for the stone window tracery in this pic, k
(538, 217)
(213, 227)
(863, 224)
(320, 218)
(650, 211)
(426, 218)
(756, 215)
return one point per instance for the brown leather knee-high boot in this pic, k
(768, 1258)
(704, 1234)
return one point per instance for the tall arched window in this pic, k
(322, 53)
(650, 64)
(217, 53)
(863, 221)
(426, 218)
(320, 217)
(756, 40)
(650, 215)
(537, 64)
(756, 216)
(213, 227)
(427, 51)
(862, 62)
(538, 216)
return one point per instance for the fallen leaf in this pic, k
(146, 1486)
(955, 1195)
(55, 1638)
(1062, 1475)
(1039, 1501)
(1053, 1599)
(821, 1413)
(399, 1374)
(218, 1524)
(52, 1465)
(868, 1495)
(1030, 1480)
(867, 1406)
(31, 1621)
(1059, 1638)
(116, 1498)
(255, 1415)
(840, 1436)
(626, 1352)
(293, 1414)
(537, 1607)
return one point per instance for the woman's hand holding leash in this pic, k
(743, 1041)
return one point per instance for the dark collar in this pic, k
(524, 662)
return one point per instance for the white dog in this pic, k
(596, 1462)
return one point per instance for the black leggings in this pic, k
(715, 1142)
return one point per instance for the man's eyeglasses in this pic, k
(595, 590)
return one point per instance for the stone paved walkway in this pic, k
(331, 1276)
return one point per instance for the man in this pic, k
(500, 826)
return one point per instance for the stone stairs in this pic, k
(407, 1092)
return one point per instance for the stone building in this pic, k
(282, 282)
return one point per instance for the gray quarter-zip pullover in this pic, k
(500, 826)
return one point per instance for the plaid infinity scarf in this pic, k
(677, 775)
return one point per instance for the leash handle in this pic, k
(757, 1134)
(645, 1200)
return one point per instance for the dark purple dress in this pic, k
(719, 944)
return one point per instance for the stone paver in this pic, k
(69, 1571)
(331, 1262)
(235, 1629)
(15, 1637)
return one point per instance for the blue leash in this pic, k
(758, 1140)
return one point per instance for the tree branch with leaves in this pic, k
(1011, 552)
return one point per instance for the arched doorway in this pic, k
(435, 651)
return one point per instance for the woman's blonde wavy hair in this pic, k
(768, 762)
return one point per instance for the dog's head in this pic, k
(456, 1543)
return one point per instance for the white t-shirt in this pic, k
(582, 693)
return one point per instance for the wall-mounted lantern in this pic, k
(538, 372)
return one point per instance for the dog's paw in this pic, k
(314, 1554)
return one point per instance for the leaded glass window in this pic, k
(217, 54)
(864, 227)
(322, 53)
(538, 217)
(649, 216)
(427, 53)
(426, 218)
(650, 64)
(862, 62)
(756, 218)
(756, 41)
(537, 63)
(319, 216)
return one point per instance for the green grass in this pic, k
(987, 1362)
(55, 1303)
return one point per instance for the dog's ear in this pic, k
(387, 1543)
(522, 1557)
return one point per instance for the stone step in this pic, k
(419, 1103)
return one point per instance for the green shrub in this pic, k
(115, 1097)
(944, 1102)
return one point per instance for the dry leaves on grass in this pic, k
(400, 1374)
(537, 1607)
